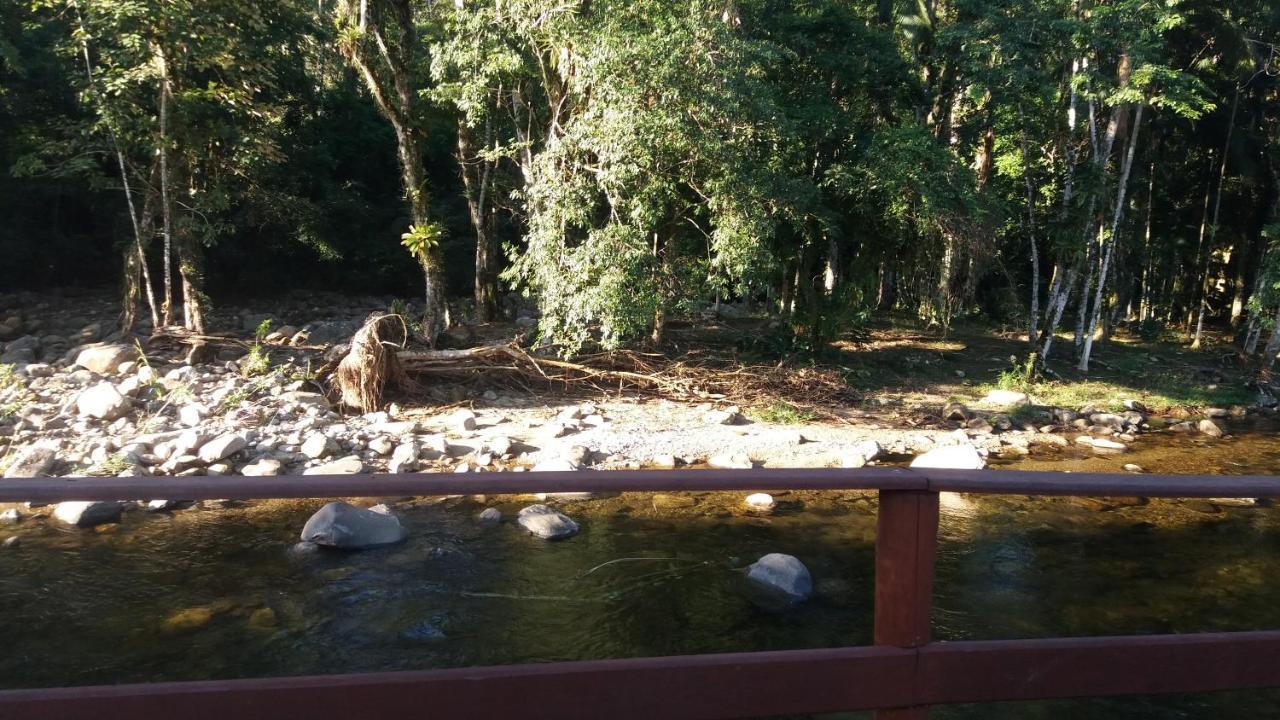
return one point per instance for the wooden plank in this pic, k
(994, 670)
(906, 547)
(698, 686)
(1026, 482)
(379, 485)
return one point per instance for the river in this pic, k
(219, 593)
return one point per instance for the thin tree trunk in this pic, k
(1213, 226)
(1111, 242)
(149, 292)
(165, 208)
(1034, 315)
(1273, 343)
(476, 190)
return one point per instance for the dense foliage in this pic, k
(1052, 164)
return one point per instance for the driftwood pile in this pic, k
(377, 365)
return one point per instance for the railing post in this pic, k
(906, 545)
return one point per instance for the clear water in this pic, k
(223, 593)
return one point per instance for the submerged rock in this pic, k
(546, 523)
(88, 514)
(347, 527)
(760, 501)
(780, 578)
(489, 516)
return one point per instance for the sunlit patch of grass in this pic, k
(780, 413)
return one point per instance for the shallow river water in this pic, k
(224, 593)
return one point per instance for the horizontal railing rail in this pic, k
(900, 676)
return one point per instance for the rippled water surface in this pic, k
(223, 593)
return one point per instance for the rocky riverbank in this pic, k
(81, 400)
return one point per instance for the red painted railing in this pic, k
(899, 677)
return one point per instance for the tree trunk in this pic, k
(1033, 316)
(1117, 217)
(165, 208)
(1213, 225)
(476, 186)
(1273, 343)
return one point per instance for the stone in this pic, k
(304, 398)
(163, 505)
(405, 457)
(318, 445)
(782, 576)
(350, 465)
(10, 516)
(188, 620)
(736, 460)
(555, 465)
(463, 420)
(547, 523)
(192, 414)
(663, 461)
(346, 527)
(1130, 467)
(263, 467)
(955, 411)
(87, 514)
(105, 359)
(12, 541)
(1004, 399)
(1135, 405)
(30, 462)
(489, 516)
(760, 501)
(102, 401)
(1216, 412)
(499, 446)
(263, 619)
(222, 447)
(1210, 428)
(381, 445)
(578, 455)
(868, 449)
(1106, 444)
(951, 457)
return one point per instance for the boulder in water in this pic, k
(546, 523)
(782, 579)
(347, 527)
(88, 514)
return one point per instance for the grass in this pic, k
(780, 413)
(13, 393)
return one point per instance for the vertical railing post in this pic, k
(906, 545)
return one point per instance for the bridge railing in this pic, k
(899, 677)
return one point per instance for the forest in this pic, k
(1066, 167)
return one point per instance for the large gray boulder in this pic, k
(104, 359)
(781, 578)
(87, 514)
(102, 401)
(546, 523)
(347, 527)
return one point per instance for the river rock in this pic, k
(405, 457)
(499, 446)
(31, 462)
(105, 359)
(463, 420)
(955, 411)
(663, 461)
(489, 516)
(10, 516)
(1105, 444)
(319, 445)
(381, 445)
(1216, 412)
(350, 465)
(723, 417)
(1210, 428)
(782, 576)
(760, 501)
(102, 401)
(12, 542)
(736, 460)
(951, 457)
(263, 467)
(555, 465)
(346, 527)
(222, 447)
(546, 523)
(88, 514)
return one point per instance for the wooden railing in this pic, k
(900, 676)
